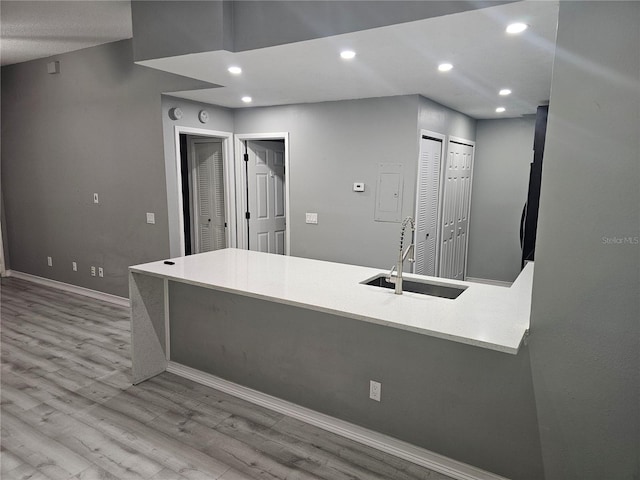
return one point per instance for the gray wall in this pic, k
(468, 403)
(220, 119)
(333, 145)
(254, 21)
(169, 28)
(95, 127)
(178, 27)
(504, 151)
(440, 119)
(585, 338)
(88, 137)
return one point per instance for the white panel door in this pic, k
(266, 189)
(455, 212)
(427, 203)
(208, 210)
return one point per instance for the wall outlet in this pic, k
(100, 272)
(93, 271)
(312, 218)
(358, 187)
(375, 390)
(50, 261)
(151, 217)
(95, 198)
(74, 266)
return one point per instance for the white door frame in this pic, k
(241, 185)
(443, 139)
(473, 158)
(229, 180)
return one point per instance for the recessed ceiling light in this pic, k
(504, 91)
(500, 109)
(517, 27)
(235, 70)
(347, 54)
(247, 99)
(445, 67)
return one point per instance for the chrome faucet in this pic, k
(402, 255)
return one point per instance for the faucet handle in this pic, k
(389, 277)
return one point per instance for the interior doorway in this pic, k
(206, 190)
(262, 163)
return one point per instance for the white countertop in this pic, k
(486, 316)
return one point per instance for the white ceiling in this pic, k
(394, 60)
(39, 29)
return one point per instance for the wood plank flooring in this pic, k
(69, 410)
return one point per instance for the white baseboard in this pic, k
(487, 281)
(87, 292)
(384, 443)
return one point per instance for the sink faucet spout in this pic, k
(402, 255)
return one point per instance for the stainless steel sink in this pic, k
(424, 288)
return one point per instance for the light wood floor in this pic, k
(70, 412)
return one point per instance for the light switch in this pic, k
(151, 217)
(358, 187)
(312, 218)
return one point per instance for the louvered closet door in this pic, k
(455, 214)
(427, 205)
(208, 196)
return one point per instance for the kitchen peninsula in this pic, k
(313, 334)
(484, 315)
